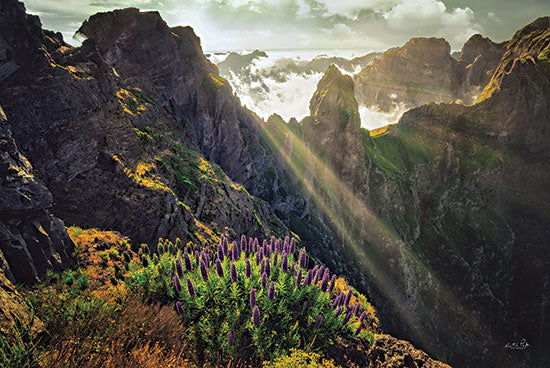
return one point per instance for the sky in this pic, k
(372, 25)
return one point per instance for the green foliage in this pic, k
(17, 349)
(221, 306)
(140, 96)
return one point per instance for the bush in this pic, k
(216, 306)
(300, 359)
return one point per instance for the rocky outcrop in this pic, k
(334, 128)
(423, 71)
(31, 238)
(415, 74)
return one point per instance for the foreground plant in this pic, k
(245, 303)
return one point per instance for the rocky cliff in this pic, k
(423, 71)
(447, 231)
(32, 240)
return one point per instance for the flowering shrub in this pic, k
(243, 302)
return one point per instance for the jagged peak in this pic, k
(540, 24)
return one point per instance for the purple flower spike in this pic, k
(338, 311)
(230, 339)
(221, 254)
(267, 250)
(347, 317)
(299, 278)
(271, 291)
(256, 316)
(348, 298)
(234, 255)
(177, 284)
(342, 298)
(204, 270)
(302, 258)
(363, 316)
(264, 280)
(358, 329)
(188, 265)
(324, 282)
(309, 276)
(234, 275)
(268, 269)
(336, 302)
(191, 288)
(275, 260)
(356, 309)
(292, 246)
(319, 320)
(219, 268)
(332, 283)
(243, 243)
(252, 298)
(225, 246)
(284, 263)
(292, 268)
(257, 259)
(248, 268)
(179, 267)
(262, 267)
(179, 308)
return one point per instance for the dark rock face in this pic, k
(31, 239)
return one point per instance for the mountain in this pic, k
(440, 220)
(423, 71)
(446, 228)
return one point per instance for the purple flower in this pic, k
(251, 247)
(243, 244)
(262, 267)
(191, 288)
(221, 255)
(234, 255)
(257, 259)
(248, 268)
(264, 280)
(342, 298)
(252, 298)
(347, 317)
(302, 258)
(275, 259)
(188, 265)
(348, 298)
(324, 281)
(219, 268)
(336, 302)
(177, 284)
(338, 311)
(309, 276)
(298, 278)
(271, 291)
(356, 309)
(261, 252)
(267, 250)
(225, 245)
(272, 241)
(256, 316)
(233, 273)
(179, 267)
(268, 269)
(319, 320)
(358, 329)
(363, 316)
(179, 308)
(203, 269)
(292, 268)
(284, 263)
(230, 339)
(332, 283)
(292, 245)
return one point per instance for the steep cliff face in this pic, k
(423, 71)
(417, 73)
(31, 238)
(114, 128)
